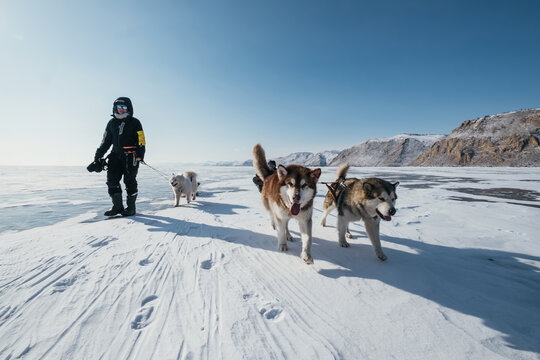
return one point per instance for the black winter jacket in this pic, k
(124, 135)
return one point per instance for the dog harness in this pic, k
(333, 187)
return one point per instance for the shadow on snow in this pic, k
(499, 287)
(496, 286)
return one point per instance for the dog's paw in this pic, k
(307, 258)
(382, 257)
(344, 244)
(348, 235)
(283, 247)
(323, 223)
(289, 237)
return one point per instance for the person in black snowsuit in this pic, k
(258, 181)
(125, 134)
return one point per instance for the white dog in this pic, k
(184, 186)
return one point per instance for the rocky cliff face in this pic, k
(398, 150)
(508, 139)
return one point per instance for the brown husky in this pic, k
(288, 192)
(370, 199)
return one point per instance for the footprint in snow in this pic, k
(271, 312)
(62, 285)
(208, 264)
(145, 262)
(147, 299)
(144, 315)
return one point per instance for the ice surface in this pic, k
(206, 281)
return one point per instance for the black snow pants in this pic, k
(124, 165)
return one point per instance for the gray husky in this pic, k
(369, 199)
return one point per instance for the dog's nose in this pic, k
(392, 211)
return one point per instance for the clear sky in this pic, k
(209, 79)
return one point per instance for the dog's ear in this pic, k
(368, 188)
(395, 184)
(315, 174)
(281, 171)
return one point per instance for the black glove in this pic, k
(97, 165)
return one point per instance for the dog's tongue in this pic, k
(295, 209)
(385, 218)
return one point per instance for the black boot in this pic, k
(130, 210)
(117, 207)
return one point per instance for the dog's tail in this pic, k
(259, 162)
(191, 175)
(342, 171)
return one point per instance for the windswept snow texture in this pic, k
(206, 281)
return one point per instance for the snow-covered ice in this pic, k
(206, 281)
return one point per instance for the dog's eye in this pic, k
(382, 199)
(290, 184)
(304, 186)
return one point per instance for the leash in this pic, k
(156, 170)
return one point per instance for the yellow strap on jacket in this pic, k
(142, 141)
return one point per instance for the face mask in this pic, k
(121, 116)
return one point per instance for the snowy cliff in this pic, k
(303, 158)
(399, 150)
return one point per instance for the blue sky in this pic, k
(209, 79)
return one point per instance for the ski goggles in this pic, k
(121, 107)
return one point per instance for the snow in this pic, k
(303, 158)
(308, 159)
(205, 281)
(399, 150)
(496, 127)
(426, 139)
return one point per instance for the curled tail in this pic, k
(259, 162)
(191, 175)
(342, 171)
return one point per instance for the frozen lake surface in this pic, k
(206, 281)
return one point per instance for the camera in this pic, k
(97, 166)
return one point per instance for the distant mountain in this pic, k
(303, 158)
(507, 139)
(308, 159)
(399, 150)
